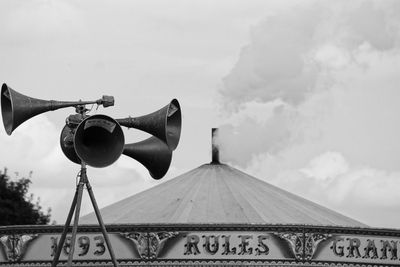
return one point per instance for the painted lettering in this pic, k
(370, 248)
(54, 245)
(338, 250)
(100, 245)
(262, 249)
(211, 248)
(67, 245)
(354, 248)
(191, 246)
(388, 248)
(84, 244)
(211, 245)
(226, 246)
(391, 247)
(244, 250)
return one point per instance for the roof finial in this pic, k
(215, 147)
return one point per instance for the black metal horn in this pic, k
(99, 141)
(67, 144)
(164, 123)
(152, 153)
(16, 108)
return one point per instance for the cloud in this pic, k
(361, 192)
(32, 144)
(315, 61)
(272, 66)
(40, 20)
(326, 166)
(312, 104)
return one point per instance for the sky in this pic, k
(305, 93)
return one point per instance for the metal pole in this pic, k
(102, 226)
(76, 205)
(64, 233)
(77, 211)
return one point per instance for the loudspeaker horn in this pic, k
(164, 123)
(99, 141)
(16, 108)
(152, 153)
(67, 144)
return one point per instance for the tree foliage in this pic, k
(16, 208)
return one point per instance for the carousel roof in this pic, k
(218, 194)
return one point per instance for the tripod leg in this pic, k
(64, 233)
(102, 226)
(76, 220)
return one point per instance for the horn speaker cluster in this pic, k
(98, 140)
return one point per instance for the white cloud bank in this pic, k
(368, 194)
(314, 79)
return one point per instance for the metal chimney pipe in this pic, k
(215, 147)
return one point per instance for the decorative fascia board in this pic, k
(4, 230)
(254, 244)
(204, 263)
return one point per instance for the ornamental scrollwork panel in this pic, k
(295, 242)
(312, 242)
(149, 245)
(302, 245)
(15, 245)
